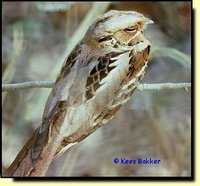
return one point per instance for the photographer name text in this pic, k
(139, 161)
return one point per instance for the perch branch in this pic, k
(26, 85)
(161, 86)
(49, 84)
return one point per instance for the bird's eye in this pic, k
(133, 29)
(107, 38)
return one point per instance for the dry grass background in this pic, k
(156, 124)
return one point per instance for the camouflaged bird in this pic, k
(98, 77)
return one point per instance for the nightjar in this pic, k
(98, 77)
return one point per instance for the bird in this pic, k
(96, 79)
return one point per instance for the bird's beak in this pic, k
(149, 21)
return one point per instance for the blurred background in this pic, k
(36, 38)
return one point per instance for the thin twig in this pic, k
(49, 84)
(26, 85)
(161, 86)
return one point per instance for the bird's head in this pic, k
(117, 30)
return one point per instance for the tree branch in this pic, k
(161, 86)
(49, 84)
(26, 85)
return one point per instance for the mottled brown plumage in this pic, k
(97, 78)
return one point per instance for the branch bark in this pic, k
(161, 86)
(49, 84)
(27, 85)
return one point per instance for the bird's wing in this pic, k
(53, 105)
(77, 83)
